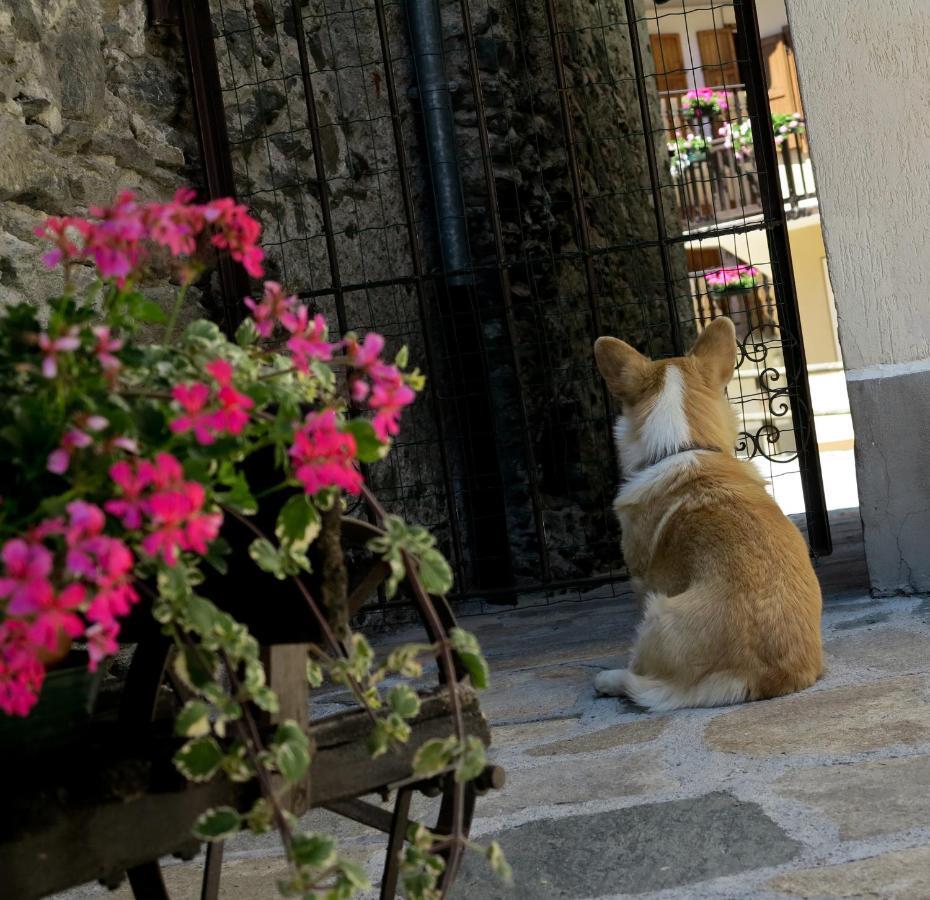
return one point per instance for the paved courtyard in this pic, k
(822, 794)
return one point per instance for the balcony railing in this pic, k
(713, 167)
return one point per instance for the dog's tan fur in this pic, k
(732, 605)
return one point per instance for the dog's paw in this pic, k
(611, 683)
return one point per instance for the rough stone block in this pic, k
(842, 720)
(630, 851)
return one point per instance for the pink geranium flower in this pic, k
(132, 480)
(21, 670)
(228, 412)
(390, 395)
(55, 614)
(308, 337)
(101, 642)
(271, 310)
(323, 456)
(52, 347)
(105, 349)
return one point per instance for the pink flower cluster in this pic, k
(324, 456)
(705, 101)
(52, 597)
(81, 436)
(381, 383)
(730, 278)
(118, 238)
(155, 497)
(210, 412)
(308, 337)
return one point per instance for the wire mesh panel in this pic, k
(496, 183)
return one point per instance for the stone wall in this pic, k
(90, 102)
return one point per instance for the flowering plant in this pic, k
(737, 137)
(733, 278)
(686, 150)
(784, 124)
(123, 459)
(704, 103)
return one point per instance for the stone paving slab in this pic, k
(620, 851)
(822, 794)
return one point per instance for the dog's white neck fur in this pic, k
(664, 430)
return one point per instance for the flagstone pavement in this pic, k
(822, 794)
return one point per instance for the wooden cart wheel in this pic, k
(150, 684)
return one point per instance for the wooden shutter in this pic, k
(781, 74)
(718, 57)
(669, 62)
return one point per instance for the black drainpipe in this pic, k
(435, 97)
(462, 319)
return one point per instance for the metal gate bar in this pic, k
(773, 207)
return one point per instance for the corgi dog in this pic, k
(731, 603)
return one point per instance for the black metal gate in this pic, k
(497, 187)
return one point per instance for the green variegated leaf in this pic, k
(316, 851)
(246, 333)
(199, 759)
(217, 823)
(193, 720)
(403, 701)
(291, 750)
(267, 557)
(435, 572)
(466, 646)
(472, 760)
(260, 817)
(353, 874)
(499, 864)
(314, 673)
(434, 756)
(368, 448)
(298, 522)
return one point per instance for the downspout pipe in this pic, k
(425, 26)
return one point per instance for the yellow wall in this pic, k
(810, 274)
(814, 298)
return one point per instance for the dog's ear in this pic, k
(715, 350)
(621, 366)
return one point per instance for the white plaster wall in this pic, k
(864, 70)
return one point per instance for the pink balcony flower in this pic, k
(323, 456)
(52, 347)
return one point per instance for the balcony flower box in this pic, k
(704, 105)
(737, 279)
